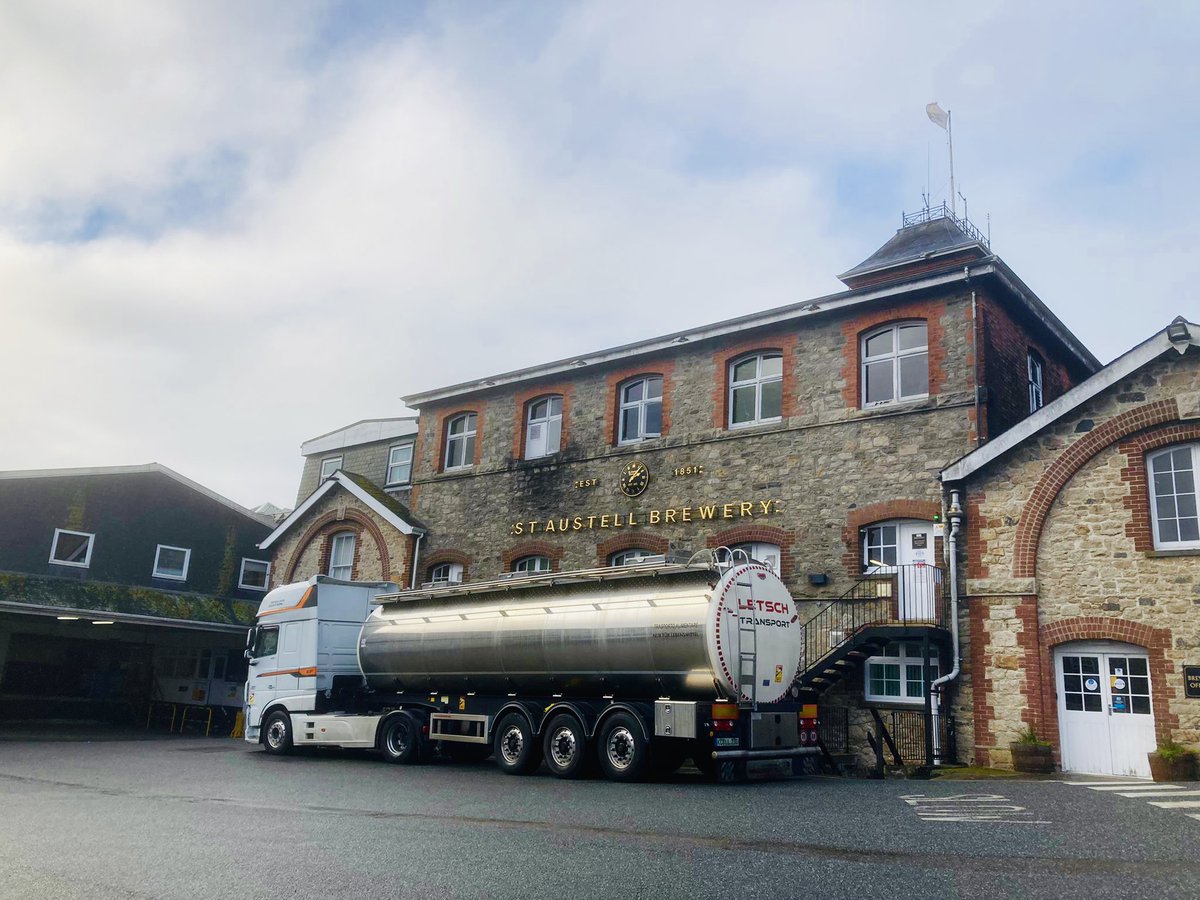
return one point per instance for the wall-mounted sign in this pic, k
(1191, 681)
(677, 515)
(635, 478)
(685, 471)
(584, 483)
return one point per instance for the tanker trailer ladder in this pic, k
(747, 646)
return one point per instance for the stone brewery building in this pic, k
(811, 436)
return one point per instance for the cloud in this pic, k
(225, 229)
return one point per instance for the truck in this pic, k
(626, 670)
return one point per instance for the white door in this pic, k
(919, 575)
(1106, 723)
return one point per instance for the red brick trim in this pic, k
(612, 384)
(521, 402)
(766, 534)
(443, 424)
(1070, 461)
(1156, 642)
(1135, 474)
(329, 524)
(981, 685)
(532, 548)
(860, 517)
(784, 344)
(855, 327)
(447, 556)
(652, 542)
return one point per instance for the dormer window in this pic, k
(329, 465)
(895, 364)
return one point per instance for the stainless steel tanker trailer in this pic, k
(629, 669)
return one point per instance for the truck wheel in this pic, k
(277, 733)
(399, 739)
(516, 748)
(566, 747)
(624, 753)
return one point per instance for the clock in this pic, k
(635, 477)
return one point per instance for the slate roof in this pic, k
(916, 242)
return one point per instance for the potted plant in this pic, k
(1031, 754)
(1173, 762)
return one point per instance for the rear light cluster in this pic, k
(808, 732)
(725, 716)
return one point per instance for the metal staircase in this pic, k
(884, 605)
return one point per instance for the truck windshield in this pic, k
(266, 642)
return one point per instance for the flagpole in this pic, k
(950, 134)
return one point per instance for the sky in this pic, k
(229, 227)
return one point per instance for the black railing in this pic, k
(833, 725)
(929, 213)
(908, 733)
(892, 595)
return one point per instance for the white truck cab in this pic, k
(305, 636)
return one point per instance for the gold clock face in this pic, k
(635, 477)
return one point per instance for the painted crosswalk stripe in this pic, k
(1194, 816)
(1126, 786)
(1176, 804)
(1160, 793)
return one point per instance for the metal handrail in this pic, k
(930, 213)
(887, 595)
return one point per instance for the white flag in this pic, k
(937, 115)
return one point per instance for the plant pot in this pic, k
(1032, 758)
(1181, 768)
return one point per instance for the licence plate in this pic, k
(726, 741)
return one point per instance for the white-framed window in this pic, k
(880, 545)
(446, 573)
(543, 427)
(532, 564)
(1173, 497)
(764, 553)
(897, 675)
(329, 465)
(399, 468)
(1034, 368)
(171, 562)
(755, 390)
(341, 556)
(71, 548)
(460, 441)
(630, 557)
(641, 409)
(255, 575)
(895, 363)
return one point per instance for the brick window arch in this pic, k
(323, 530)
(532, 548)
(639, 541)
(759, 534)
(859, 518)
(440, 557)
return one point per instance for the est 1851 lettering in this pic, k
(683, 471)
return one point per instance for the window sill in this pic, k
(746, 426)
(893, 703)
(398, 486)
(1164, 554)
(176, 578)
(905, 402)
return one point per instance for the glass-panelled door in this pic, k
(1106, 723)
(905, 547)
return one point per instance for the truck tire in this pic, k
(516, 748)
(623, 751)
(400, 738)
(277, 733)
(566, 747)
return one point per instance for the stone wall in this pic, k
(803, 477)
(368, 460)
(1058, 550)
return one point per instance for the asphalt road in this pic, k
(208, 818)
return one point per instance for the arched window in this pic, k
(1034, 367)
(895, 363)
(1173, 497)
(543, 427)
(446, 573)
(460, 441)
(532, 564)
(641, 409)
(630, 557)
(756, 389)
(341, 556)
(761, 552)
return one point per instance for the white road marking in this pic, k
(1176, 804)
(1123, 785)
(1178, 792)
(970, 808)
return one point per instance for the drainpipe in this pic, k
(412, 583)
(955, 515)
